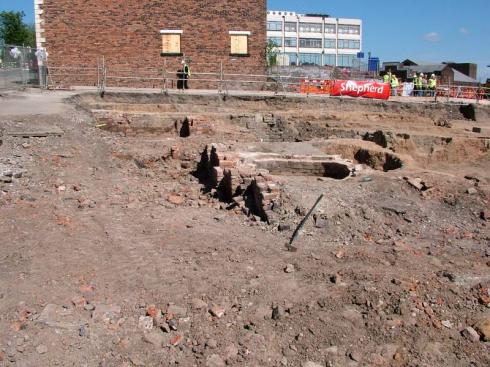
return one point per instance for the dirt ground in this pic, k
(113, 253)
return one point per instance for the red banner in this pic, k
(361, 89)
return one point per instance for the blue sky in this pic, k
(427, 30)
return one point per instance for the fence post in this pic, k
(220, 84)
(165, 86)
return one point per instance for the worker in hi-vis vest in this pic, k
(387, 77)
(394, 85)
(415, 83)
(432, 85)
(186, 71)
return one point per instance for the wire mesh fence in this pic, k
(18, 67)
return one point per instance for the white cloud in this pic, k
(432, 37)
(464, 31)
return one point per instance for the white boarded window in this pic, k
(171, 44)
(239, 42)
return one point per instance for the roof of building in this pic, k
(462, 78)
(419, 62)
(426, 69)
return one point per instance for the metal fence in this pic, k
(18, 67)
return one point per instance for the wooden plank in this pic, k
(35, 133)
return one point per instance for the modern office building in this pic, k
(314, 39)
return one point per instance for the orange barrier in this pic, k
(460, 92)
(316, 86)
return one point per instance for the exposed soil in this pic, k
(118, 251)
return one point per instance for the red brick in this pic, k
(127, 33)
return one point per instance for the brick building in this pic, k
(138, 35)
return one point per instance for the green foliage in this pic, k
(271, 50)
(14, 31)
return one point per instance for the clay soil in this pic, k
(114, 254)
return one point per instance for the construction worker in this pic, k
(387, 78)
(186, 71)
(419, 86)
(415, 83)
(425, 85)
(432, 85)
(394, 85)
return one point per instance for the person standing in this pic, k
(186, 71)
(415, 92)
(425, 85)
(432, 85)
(394, 85)
(387, 78)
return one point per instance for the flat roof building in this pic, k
(142, 33)
(314, 39)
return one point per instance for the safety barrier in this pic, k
(215, 77)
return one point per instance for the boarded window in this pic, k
(239, 44)
(171, 44)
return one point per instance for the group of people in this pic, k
(422, 86)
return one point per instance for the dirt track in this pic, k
(108, 223)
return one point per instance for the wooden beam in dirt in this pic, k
(35, 134)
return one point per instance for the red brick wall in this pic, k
(127, 33)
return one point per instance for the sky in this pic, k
(425, 30)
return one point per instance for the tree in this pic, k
(271, 50)
(14, 31)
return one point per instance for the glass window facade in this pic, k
(329, 59)
(330, 43)
(293, 58)
(275, 40)
(310, 42)
(349, 29)
(274, 26)
(330, 28)
(290, 42)
(310, 59)
(350, 44)
(310, 27)
(290, 27)
(346, 60)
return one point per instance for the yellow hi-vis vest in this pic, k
(386, 78)
(394, 82)
(433, 83)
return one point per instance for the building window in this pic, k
(171, 42)
(310, 42)
(330, 28)
(293, 59)
(329, 43)
(277, 41)
(274, 26)
(239, 43)
(290, 27)
(288, 58)
(346, 60)
(310, 59)
(349, 44)
(290, 42)
(310, 27)
(349, 29)
(329, 60)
